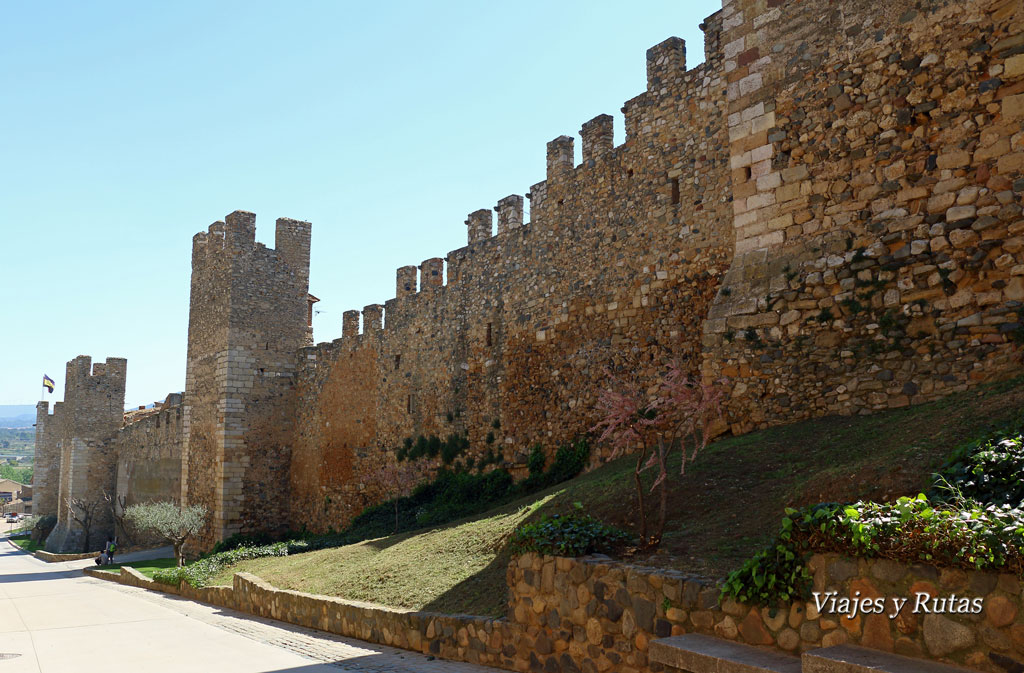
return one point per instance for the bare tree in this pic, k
(397, 480)
(117, 505)
(175, 524)
(83, 512)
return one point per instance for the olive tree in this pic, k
(175, 524)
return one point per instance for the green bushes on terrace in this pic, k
(973, 519)
(573, 534)
(986, 470)
(913, 530)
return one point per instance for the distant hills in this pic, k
(17, 415)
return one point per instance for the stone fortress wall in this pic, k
(506, 337)
(877, 155)
(148, 450)
(74, 446)
(826, 212)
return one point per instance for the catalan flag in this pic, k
(48, 383)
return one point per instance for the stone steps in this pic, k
(705, 654)
(854, 659)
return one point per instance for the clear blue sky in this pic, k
(126, 127)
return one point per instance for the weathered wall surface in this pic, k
(93, 410)
(622, 251)
(149, 455)
(247, 320)
(878, 170)
(46, 475)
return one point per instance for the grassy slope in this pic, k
(147, 568)
(725, 508)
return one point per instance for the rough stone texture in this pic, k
(148, 450)
(625, 248)
(248, 317)
(877, 198)
(78, 432)
(579, 614)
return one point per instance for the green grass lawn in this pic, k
(726, 508)
(147, 568)
(27, 544)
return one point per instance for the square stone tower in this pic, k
(78, 435)
(247, 320)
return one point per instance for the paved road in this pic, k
(54, 619)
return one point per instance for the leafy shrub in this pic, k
(573, 534)
(570, 460)
(986, 470)
(453, 447)
(913, 530)
(44, 526)
(535, 463)
(199, 573)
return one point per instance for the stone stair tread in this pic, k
(705, 654)
(855, 659)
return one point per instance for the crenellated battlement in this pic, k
(598, 137)
(559, 157)
(236, 235)
(405, 281)
(431, 274)
(665, 61)
(480, 224)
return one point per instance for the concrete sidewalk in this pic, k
(54, 620)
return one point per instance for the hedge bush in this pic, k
(986, 470)
(573, 534)
(972, 517)
(913, 530)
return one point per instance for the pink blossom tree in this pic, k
(675, 414)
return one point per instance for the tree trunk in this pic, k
(396, 514)
(642, 517)
(663, 490)
(177, 552)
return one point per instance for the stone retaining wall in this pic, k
(607, 613)
(592, 614)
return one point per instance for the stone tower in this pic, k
(247, 319)
(92, 412)
(46, 475)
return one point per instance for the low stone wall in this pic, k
(593, 614)
(457, 637)
(607, 613)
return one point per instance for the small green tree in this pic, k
(175, 524)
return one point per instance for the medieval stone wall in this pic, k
(92, 411)
(622, 252)
(149, 455)
(826, 214)
(877, 155)
(46, 474)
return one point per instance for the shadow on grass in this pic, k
(730, 501)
